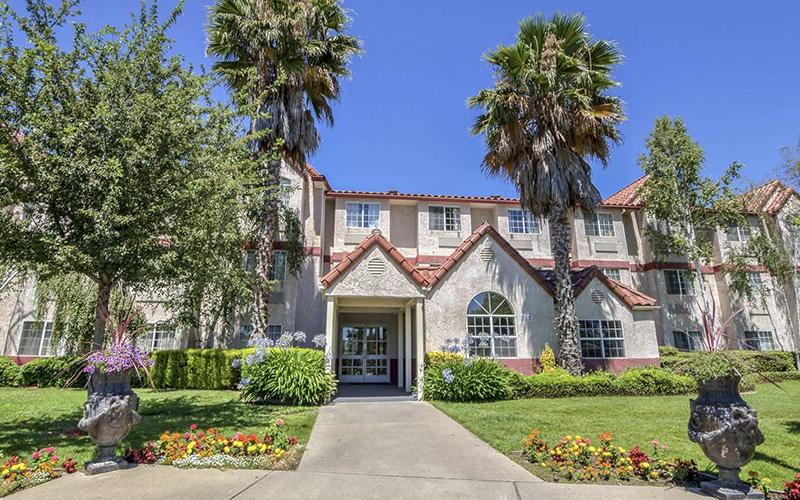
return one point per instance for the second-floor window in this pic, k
(599, 224)
(759, 340)
(678, 282)
(444, 218)
(365, 215)
(278, 271)
(757, 282)
(614, 274)
(157, 336)
(286, 191)
(36, 338)
(523, 222)
(737, 233)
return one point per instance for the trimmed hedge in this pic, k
(53, 372)
(634, 382)
(197, 368)
(10, 372)
(754, 361)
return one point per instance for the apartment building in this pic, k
(392, 275)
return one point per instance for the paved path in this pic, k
(381, 450)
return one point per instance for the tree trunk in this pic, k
(565, 322)
(101, 313)
(267, 231)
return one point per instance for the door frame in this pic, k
(364, 356)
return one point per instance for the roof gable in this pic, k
(768, 198)
(627, 197)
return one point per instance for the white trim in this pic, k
(361, 224)
(601, 338)
(593, 220)
(491, 335)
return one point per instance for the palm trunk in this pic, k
(267, 231)
(101, 313)
(565, 322)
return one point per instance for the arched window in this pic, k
(490, 326)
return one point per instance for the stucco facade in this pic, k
(410, 265)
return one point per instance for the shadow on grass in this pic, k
(160, 411)
(776, 461)
(793, 427)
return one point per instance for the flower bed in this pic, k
(211, 449)
(43, 465)
(575, 458)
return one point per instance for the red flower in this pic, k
(193, 426)
(186, 435)
(292, 440)
(279, 422)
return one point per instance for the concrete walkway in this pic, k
(380, 450)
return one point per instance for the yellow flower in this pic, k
(238, 444)
(621, 450)
(592, 449)
(654, 474)
(226, 449)
(5, 472)
(644, 465)
(629, 468)
(263, 448)
(251, 448)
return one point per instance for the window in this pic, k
(35, 338)
(444, 218)
(598, 224)
(737, 233)
(490, 326)
(757, 282)
(246, 333)
(278, 272)
(688, 341)
(678, 282)
(614, 274)
(157, 336)
(523, 222)
(759, 340)
(364, 215)
(601, 338)
(250, 261)
(286, 191)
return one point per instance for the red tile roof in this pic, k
(627, 197)
(422, 197)
(353, 257)
(316, 176)
(768, 198)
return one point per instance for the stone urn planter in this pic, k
(726, 428)
(109, 413)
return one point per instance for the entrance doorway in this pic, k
(364, 354)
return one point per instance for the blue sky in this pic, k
(729, 69)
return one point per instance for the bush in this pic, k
(287, 375)
(651, 382)
(434, 358)
(749, 361)
(668, 350)
(196, 368)
(468, 380)
(547, 360)
(559, 383)
(10, 372)
(53, 372)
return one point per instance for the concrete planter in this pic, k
(726, 428)
(109, 413)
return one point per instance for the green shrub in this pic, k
(196, 368)
(667, 350)
(53, 372)
(747, 361)
(287, 375)
(651, 382)
(10, 372)
(468, 380)
(634, 382)
(434, 358)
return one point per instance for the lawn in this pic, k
(637, 420)
(33, 418)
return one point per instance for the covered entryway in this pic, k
(364, 356)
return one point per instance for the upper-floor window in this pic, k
(678, 282)
(444, 218)
(286, 191)
(278, 271)
(157, 336)
(364, 215)
(490, 326)
(599, 224)
(759, 340)
(601, 338)
(737, 233)
(523, 222)
(274, 332)
(614, 274)
(756, 281)
(688, 341)
(36, 338)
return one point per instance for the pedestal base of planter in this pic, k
(731, 491)
(102, 466)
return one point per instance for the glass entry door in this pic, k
(364, 357)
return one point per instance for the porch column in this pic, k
(420, 336)
(330, 331)
(407, 350)
(400, 348)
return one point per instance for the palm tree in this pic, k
(286, 58)
(547, 114)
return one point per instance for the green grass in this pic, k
(33, 418)
(637, 420)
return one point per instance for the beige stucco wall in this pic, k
(359, 281)
(530, 246)
(430, 242)
(600, 247)
(340, 224)
(403, 228)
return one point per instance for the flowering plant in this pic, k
(577, 458)
(792, 488)
(17, 473)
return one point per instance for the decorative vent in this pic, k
(487, 254)
(376, 266)
(598, 296)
